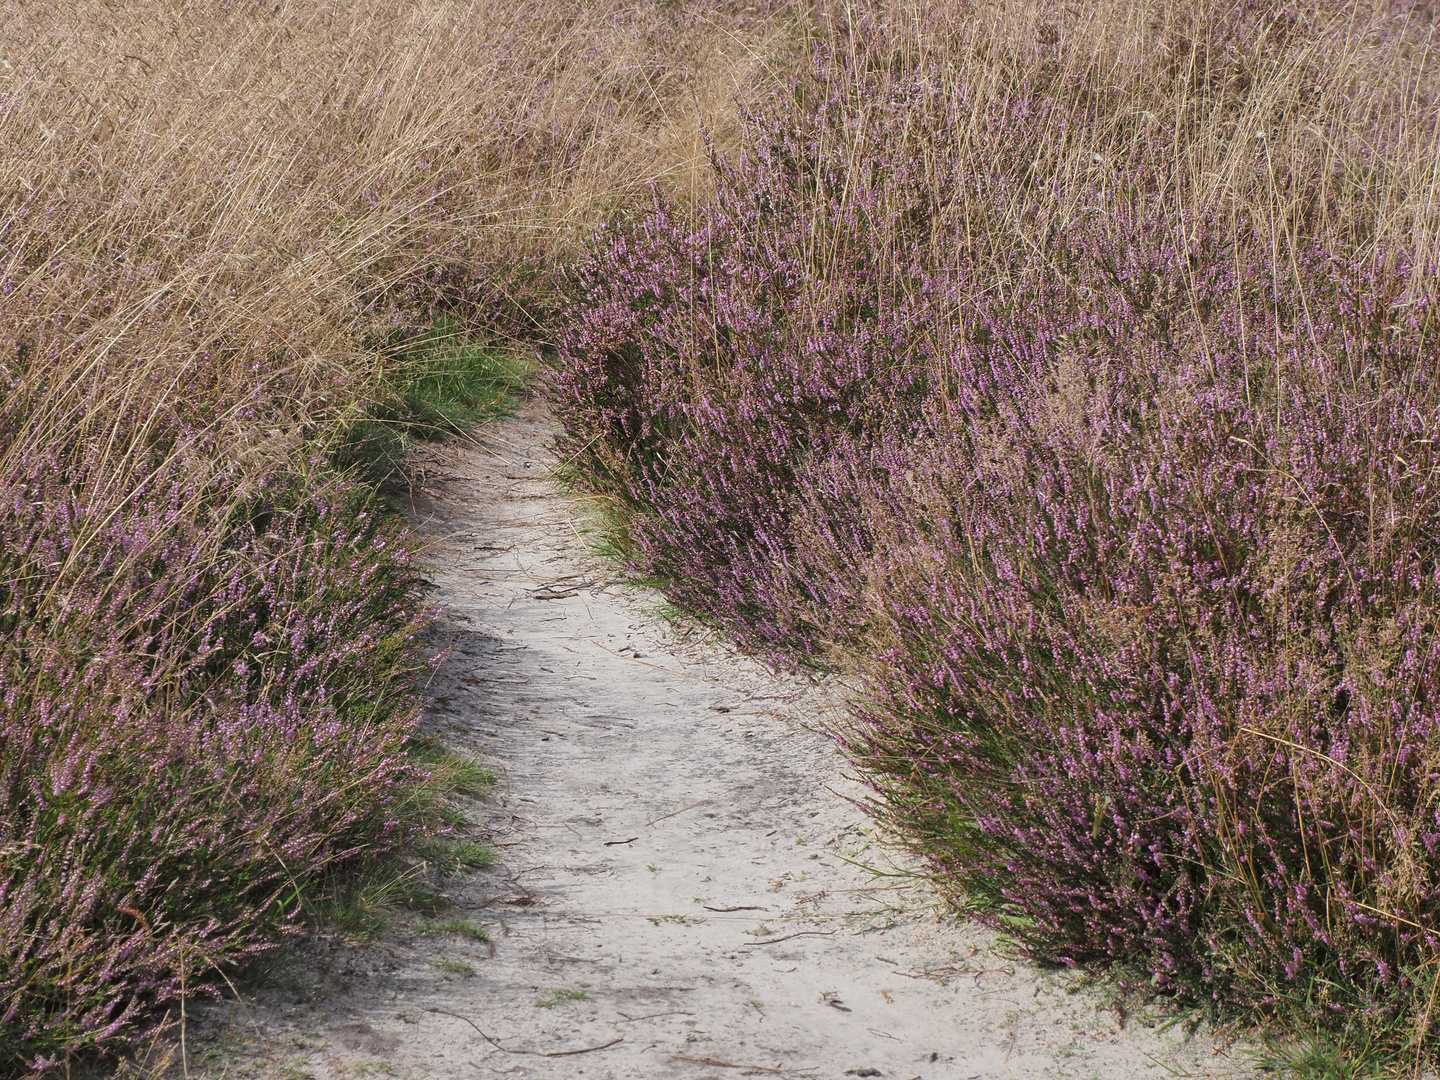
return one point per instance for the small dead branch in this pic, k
(730, 1065)
(787, 937)
(528, 1053)
(674, 813)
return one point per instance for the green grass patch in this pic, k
(452, 858)
(360, 899)
(1318, 1057)
(432, 386)
(360, 903)
(451, 773)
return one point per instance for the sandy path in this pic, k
(677, 849)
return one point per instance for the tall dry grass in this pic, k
(192, 180)
(220, 223)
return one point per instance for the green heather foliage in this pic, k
(206, 704)
(1115, 481)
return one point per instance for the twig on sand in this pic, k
(743, 907)
(652, 1016)
(731, 1065)
(550, 592)
(672, 813)
(529, 1053)
(787, 937)
(939, 974)
(582, 1050)
(657, 667)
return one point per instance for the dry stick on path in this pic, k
(652, 1016)
(787, 937)
(673, 813)
(731, 1065)
(529, 1053)
(657, 667)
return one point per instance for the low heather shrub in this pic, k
(1117, 488)
(206, 702)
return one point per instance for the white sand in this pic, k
(678, 847)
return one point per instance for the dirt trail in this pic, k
(679, 894)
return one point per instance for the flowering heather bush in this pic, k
(1115, 483)
(205, 704)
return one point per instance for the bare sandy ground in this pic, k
(686, 890)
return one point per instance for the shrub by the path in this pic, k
(206, 707)
(1072, 382)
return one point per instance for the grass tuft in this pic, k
(434, 385)
(360, 904)
(454, 857)
(1318, 1056)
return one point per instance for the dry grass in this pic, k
(1299, 122)
(196, 189)
(216, 217)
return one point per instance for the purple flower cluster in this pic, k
(1126, 511)
(205, 698)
